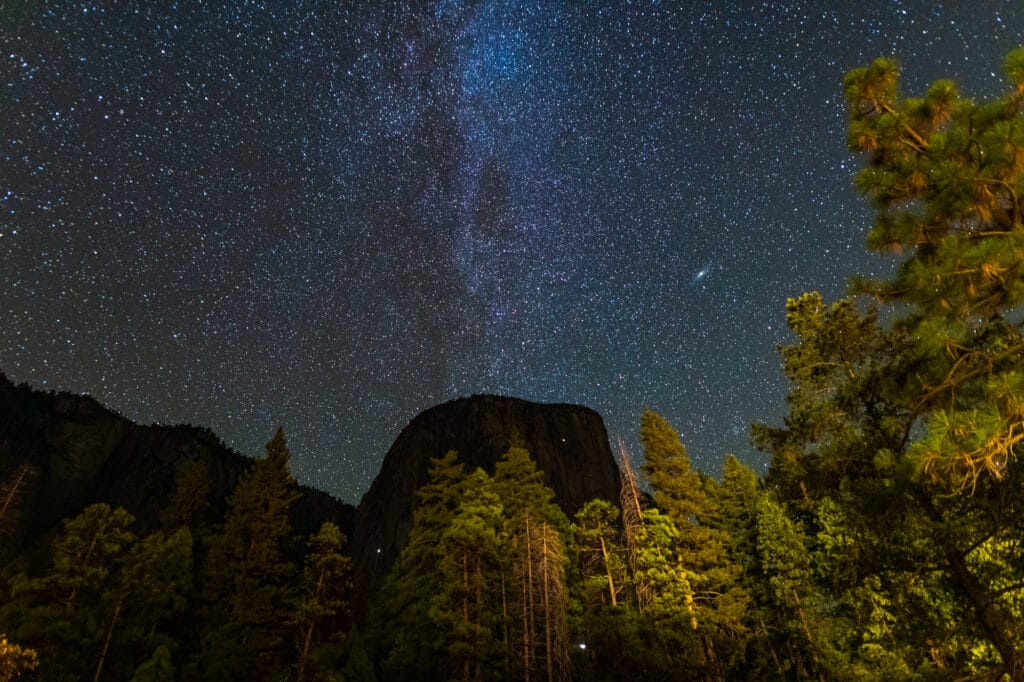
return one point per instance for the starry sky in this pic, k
(332, 215)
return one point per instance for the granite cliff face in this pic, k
(568, 442)
(80, 453)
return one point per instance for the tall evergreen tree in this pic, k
(322, 597)
(713, 597)
(405, 649)
(142, 605)
(535, 532)
(246, 576)
(906, 437)
(190, 505)
(520, 485)
(466, 609)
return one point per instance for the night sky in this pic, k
(332, 215)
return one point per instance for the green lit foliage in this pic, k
(157, 668)
(406, 648)
(464, 609)
(705, 580)
(535, 533)
(601, 555)
(15, 659)
(846, 464)
(61, 612)
(321, 600)
(899, 455)
(792, 609)
(358, 665)
(144, 605)
(946, 175)
(108, 599)
(520, 485)
(437, 502)
(485, 570)
(847, 399)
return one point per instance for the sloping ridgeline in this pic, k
(67, 451)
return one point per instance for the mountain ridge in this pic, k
(81, 452)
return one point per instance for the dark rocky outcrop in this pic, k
(568, 442)
(81, 453)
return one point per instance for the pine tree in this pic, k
(906, 436)
(601, 555)
(62, 612)
(407, 650)
(323, 596)
(465, 609)
(713, 597)
(520, 485)
(148, 594)
(438, 499)
(788, 595)
(190, 505)
(246, 576)
(945, 174)
(536, 623)
(843, 463)
(551, 562)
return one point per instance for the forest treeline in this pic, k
(886, 541)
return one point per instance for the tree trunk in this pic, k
(632, 522)
(307, 641)
(807, 634)
(528, 601)
(526, 631)
(504, 619)
(479, 606)
(106, 640)
(714, 665)
(608, 571)
(771, 650)
(465, 608)
(70, 601)
(706, 651)
(12, 494)
(992, 622)
(690, 609)
(547, 606)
